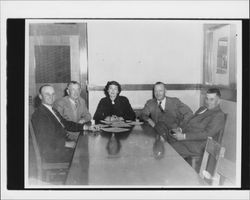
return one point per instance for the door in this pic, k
(57, 55)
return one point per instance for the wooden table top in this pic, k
(99, 161)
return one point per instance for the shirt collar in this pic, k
(215, 108)
(53, 112)
(73, 101)
(163, 102)
(47, 106)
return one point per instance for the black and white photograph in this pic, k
(115, 103)
(133, 103)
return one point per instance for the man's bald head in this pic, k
(47, 94)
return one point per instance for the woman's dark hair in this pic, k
(112, 83)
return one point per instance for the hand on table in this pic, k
(178, 135)
(113, 118)
(81, 121)
(94, 128)
(116, 118)
(176, 130)
(108, 118)
(120, 119)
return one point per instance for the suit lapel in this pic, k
(168, 104)
(155, 111)
(206, 113)
(209, 112)
(50, 115)
(200, 110)
(73, 111)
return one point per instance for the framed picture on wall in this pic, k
(220, 55)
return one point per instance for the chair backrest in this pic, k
(221, 132)
(37, 151)
(213, 151)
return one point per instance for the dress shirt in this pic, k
(74, 102)
(163, 103)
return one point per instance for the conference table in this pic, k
(133, 158)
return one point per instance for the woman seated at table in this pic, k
(113, 107)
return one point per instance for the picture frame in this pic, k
(220, 63)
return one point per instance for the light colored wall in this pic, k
(144, 52)
(230, 134)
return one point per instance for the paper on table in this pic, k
(115, 129)
(106, 122)
(120, 125)
(103, 125)
(135, 123)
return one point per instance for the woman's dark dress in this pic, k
(120, 108)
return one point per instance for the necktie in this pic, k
(159, 105)
(76, 104)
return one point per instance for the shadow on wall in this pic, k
(36, 101)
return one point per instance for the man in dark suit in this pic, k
(168, 110)
(208, 120)
(50, 128)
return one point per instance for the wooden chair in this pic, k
(210, 161)
(46, 171)
(221, 133)
(196, 158)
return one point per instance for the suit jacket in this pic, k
(175, 113)
(69, 112)
(51, 135)
(121, 108)
(199, 127)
